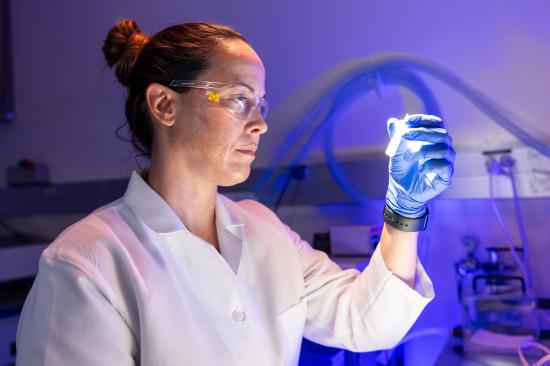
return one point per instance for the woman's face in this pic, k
(212, 142)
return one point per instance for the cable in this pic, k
(531, 344)
(282, 192)
(348, 92)
(406, 79)
(521, 227)
(296, 190)
(508, 238)
(505, 167)
(369, 75)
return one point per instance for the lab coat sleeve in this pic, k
(68, 320)
(358, 311)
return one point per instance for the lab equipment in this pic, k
(498, 302)
(353, 240)
(497, 313)
(28, 173)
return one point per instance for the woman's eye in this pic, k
(240, 98)
(240, 101)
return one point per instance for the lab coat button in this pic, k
(239, 315)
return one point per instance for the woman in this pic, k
(174, 273)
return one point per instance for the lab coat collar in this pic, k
(227, 217)
(155, 212)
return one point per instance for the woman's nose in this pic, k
(257, 125)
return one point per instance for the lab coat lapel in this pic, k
(230, 234)
(197, 263)
(269, 265)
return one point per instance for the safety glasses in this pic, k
(239, 99)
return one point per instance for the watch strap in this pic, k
(403, 223)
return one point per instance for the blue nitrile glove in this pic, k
(421, 163)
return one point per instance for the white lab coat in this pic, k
(130, 285)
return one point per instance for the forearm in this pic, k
(399, 252)
(420, 168)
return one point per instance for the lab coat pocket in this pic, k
(292, 320)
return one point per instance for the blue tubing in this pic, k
(394, 69)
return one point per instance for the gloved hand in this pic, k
(422, 165)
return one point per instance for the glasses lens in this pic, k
(238, 99)
(263, 105)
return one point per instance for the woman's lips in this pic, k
(247, 152)
(248, 149)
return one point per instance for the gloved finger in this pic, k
(392, 125)
(441, 167)
(427, 135)
(440, 184)
(432, 151)
(423, 120)
(413, 121)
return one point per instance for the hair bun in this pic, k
(122, 47)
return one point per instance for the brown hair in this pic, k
(178, 52)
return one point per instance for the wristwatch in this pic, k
(403, 223)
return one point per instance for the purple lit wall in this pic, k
(68, 104)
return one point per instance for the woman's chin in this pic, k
(235, 176)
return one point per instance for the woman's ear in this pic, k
(161, 103)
